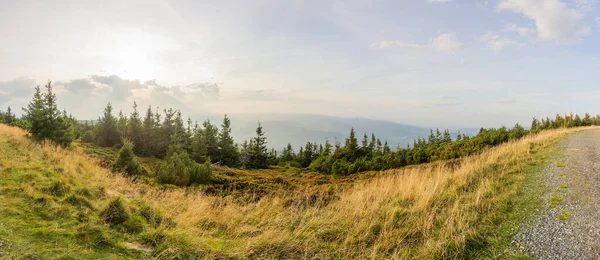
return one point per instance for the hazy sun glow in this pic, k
(132, 53)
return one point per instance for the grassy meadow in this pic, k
(54, 203)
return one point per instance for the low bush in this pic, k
(178, 169)
(126, 161)
(115, 213)
(134, 224)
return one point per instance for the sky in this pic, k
(450, 63)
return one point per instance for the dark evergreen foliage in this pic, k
(107, 131)
(45, 121)
(126, 161)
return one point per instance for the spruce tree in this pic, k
(228, 154)
(372, 143)
(10, 116)
(147, 140)
(34, 113)
(46, 121)
(122, 126)
(108, 134)
(245, 155)
(447, 138)
(126, 161)
(365, 145)
(326, 148)
(287, 154)
(258, 150)
(351, 146)
(308, 155)
(135, 129)
(386, 148)
(63, 133)
(210, 145)
(165, 132)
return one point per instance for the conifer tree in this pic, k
(210, 143)
(122, 125)
(326, 148)
(135, 129)
(379, 148)
(228, 154)
(258, 150)
(63, 133)
(372, 143)
(446, 138)
(272, 158)
(9, 117)
(108, 134)
(287, 154)
(365, 145)
(245, 155)
(147, 140)
(165, 132)
(386, 148)
(34, 113)
(534, 125)
(351, 146)
(308, 155)
(46, 121)
(126, 161)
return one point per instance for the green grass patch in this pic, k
(43, 216)
(556, 200)
(564, 215)
(563, 188)
(559, 164)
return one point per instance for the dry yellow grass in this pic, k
(426, 211)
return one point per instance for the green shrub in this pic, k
(58, 188)
(88, 137)
(153, 237)
(115, 213)
(21, 123)
(200, 173)
(127, 161)
(178, 169)
(134, 224)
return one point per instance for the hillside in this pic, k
(54, 201)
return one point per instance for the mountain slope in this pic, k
(52, 203)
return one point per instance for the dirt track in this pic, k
(570, 227)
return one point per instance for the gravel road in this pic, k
(569, 228)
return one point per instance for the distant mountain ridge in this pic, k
(297, 129)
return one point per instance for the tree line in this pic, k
(189, 148)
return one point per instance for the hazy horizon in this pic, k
(424, 63)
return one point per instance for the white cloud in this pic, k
(395, 44)
(523, 31)
(438, 1)
(554, 20)
(447, 42)
(498, 43)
